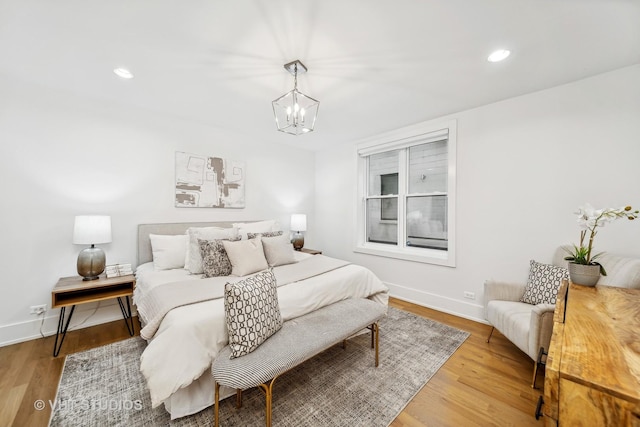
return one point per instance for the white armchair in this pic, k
(530, 326)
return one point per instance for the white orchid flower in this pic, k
(589, 219)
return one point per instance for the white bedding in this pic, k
(177, 360)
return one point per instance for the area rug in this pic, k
(339, 387)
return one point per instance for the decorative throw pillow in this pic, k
(193, 259)
(252, 312)
(278, 250)
(543, 283)
(246, 256)
(265, 234)
(215, 261)
(168, 251)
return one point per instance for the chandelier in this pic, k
(294, 111)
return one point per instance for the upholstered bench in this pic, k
(299, 339)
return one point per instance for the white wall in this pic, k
(524, 166)
(63, 155)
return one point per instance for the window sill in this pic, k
(427, 256)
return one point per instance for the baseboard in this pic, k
(466, 310)
(84, 316)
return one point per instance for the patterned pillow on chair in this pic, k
(543, 283)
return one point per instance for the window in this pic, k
(407, 195)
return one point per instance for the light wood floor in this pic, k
(481, 384)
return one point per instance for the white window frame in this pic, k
(399, 139)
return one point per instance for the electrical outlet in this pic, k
(38, 309)
(469, 295)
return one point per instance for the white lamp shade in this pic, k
(92, 229)
(298, 222)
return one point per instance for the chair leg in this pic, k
(536, 365)
(490, 333)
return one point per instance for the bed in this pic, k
(185, 332)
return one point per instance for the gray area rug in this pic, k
(104, 387)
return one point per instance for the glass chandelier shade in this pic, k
(295, 112)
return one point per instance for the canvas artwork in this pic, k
(208, 182)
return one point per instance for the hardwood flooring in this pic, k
(480, 385)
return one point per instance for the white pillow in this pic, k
(168, 251)
(193, 258)
(256, 227)
(278, 250)
(246, 256)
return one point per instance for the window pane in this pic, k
(380, 165)
(427, 222)
(389, 209)
(428, 167)
(379, 230)
(389, 185)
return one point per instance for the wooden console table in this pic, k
(593, 368)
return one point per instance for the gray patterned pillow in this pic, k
(193, 260)
(265, 234)
(543, 283)
(252, 312)
(215, 261)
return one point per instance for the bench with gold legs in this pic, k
(299, 340)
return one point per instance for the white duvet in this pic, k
(177, 360)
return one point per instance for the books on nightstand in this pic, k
(118, 270)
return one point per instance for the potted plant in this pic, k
(584, 268)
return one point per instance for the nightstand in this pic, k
(311, 251)
(71, 291)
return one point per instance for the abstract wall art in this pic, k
(208, 182)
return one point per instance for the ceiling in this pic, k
(374, 65)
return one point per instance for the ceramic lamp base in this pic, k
(91, 263)
(298, 241)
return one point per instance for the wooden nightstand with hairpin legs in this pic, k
(71, 291)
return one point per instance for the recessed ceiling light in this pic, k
(498, 55)
(123, 72)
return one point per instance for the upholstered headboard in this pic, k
(144, 244)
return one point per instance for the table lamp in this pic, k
(91, 230)
(298, 224)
